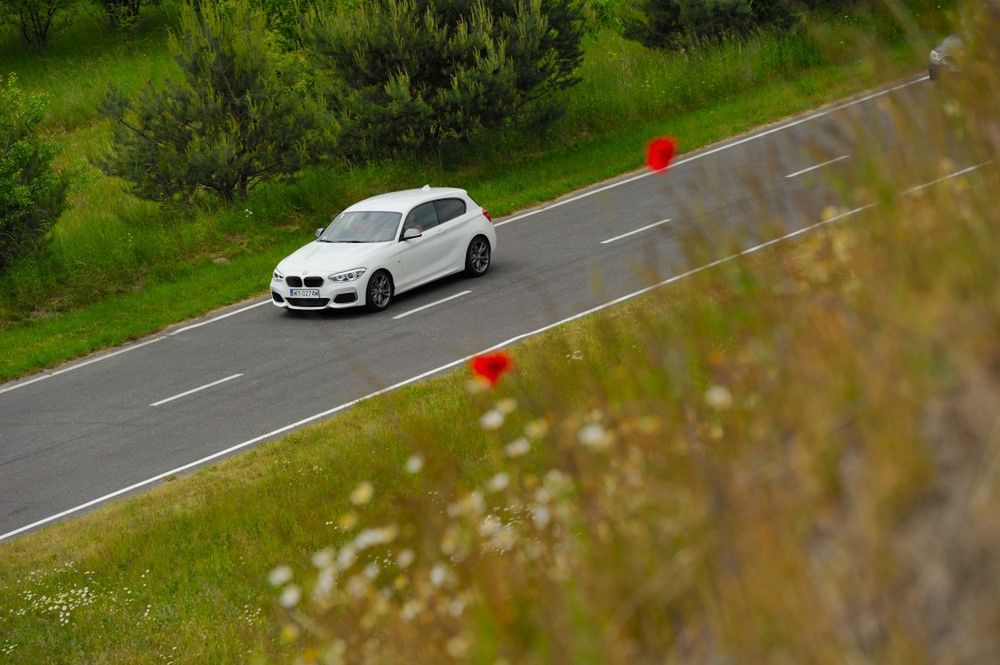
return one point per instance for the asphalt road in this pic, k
(116, 423)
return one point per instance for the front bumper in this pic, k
(332, 295)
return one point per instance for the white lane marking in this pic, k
(195, 390)
(721, 148)
(220, 317)
(419, 377)
(105, 356)
(632, 233)
(817, 166)
(956, 174)
(433, 304)
(133, 347)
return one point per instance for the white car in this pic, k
(386, 245)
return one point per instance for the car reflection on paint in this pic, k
(385, 245)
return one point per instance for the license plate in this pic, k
(303, 293)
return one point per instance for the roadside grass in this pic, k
(790, 457)
(82, 294)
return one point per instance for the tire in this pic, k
(378, 293)
(478, 257)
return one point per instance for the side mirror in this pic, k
(411, 233)
(319, 232)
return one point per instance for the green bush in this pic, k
(32, 195)
(239, 113)
(410, 74)
(122, 14)
(686, 23)
(36, 19)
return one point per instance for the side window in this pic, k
(449, 209)
(424, 217)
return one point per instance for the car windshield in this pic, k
(362, 227)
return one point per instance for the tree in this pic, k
(684, 23)
(238, 114)
(32, 194)
(408, 74)
(37, 19)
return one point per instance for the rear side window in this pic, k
(449, 209)
(424, 217)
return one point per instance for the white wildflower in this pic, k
(324, 558)
(517, 448)
(506, 406)
(290, 596)
(362, 493)
(536, 429)
(595, 436)
(405, 558)
(492, 419)
(414, 464)
(348, 555)
(279, 575)
(719, 398)
(499, 482)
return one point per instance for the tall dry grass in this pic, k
(801, 464)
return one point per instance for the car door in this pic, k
(419, 256)
(453, 217)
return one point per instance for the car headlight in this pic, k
(348, 275)
(277, 277)
(936, 57)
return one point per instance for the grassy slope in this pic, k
(746, 519)
(118, 268)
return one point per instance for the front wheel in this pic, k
(477, 257)
(379, 291)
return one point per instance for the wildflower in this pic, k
(362, 493)
(456, 607)
(458, 647)
(348, 521)
(536, 429)
(414, 464)
(499, 482)
(518, 447)
(557, 483)
(372, 570)
(540, 516)
(660, 152)
(371, 537)
(507, 406)
(438, 574)
(279, 575)
(326, 581)
(492, 419)
(289, 632)
(477, 384)
(719, 398)
(410, 610)
(290, 596)
(595, 436)
(472, 504)
(348, 555)
(405, 558)
(323, 558)
(492, 366)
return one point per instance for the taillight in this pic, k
(487, 215)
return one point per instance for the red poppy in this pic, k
(491, 366)
(660, 152)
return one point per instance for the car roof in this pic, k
(406, 199)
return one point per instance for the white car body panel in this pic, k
(438, 252)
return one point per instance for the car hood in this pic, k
(327, 257)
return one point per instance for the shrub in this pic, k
(684, 23)
(410, 74)
(238, 114)
(122, 14)
(32, 195)
(37, 19)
